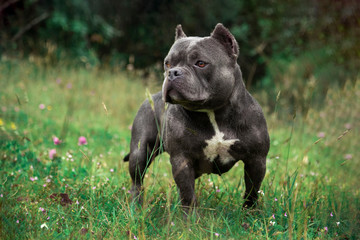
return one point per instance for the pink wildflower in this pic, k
(321, 135)
(331, 214)
(56, 141)
(326, 229)
(111, 170)
(69, 85)
(52, 153)
(42, 106)
(216, 234)
(273, 216)
(275, 199)
(82, 141)
(348, 156)
(285, 214)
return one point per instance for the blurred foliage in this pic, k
(282, 43)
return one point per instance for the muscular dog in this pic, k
(204, 118)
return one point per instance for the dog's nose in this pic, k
(174, 73)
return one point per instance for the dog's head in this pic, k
(200, 71)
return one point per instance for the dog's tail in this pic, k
(126, 158)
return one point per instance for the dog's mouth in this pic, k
(170, 95)
(174, 97)
(174, 93)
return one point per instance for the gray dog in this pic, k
(210, 122)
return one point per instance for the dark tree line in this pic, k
(108, 32)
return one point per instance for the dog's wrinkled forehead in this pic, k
(182, 47)
(193, 47)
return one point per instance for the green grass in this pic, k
(310, 189)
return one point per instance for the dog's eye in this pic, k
(167, 65)
(200, 64)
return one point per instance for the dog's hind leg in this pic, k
(139, 161)
(143, 148)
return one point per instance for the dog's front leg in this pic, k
(254, 172)
(184, 175)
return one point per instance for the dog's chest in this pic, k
(218, 146)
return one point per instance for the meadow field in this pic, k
(64, 132)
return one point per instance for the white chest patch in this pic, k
(217, 145)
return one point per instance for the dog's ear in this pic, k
(223, 35)
(179, 33)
